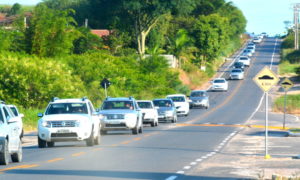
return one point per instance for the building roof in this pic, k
(101, 32)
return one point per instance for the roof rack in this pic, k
(84, 98)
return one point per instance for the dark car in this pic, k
(166, 110)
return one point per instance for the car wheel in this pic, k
(4, 156)
(135, 130)
(22, 134)
(156, 124)
(18, 156)
(141, 129)
(90, 141)
(153, 123)
(98, 138)
(50, 144)
(41, 143)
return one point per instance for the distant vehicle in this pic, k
(251, 44)
(257, 40)
(264, 34)
(247, 52)
(237, 74)
(10, 142)
(16, 112)
(246, 60)
(121, 114)
(69, 120)
(199, 98)
(252, 49)
(150, 114)
(181, 102)
(219, 84)
(239, 65)
(166, 110)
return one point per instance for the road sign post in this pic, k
(105, 83)
(286, 84)
(266, 79)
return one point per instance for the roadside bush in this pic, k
(32, 82)
(293, 57)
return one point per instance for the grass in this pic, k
(288, 69)
(30, 118)
(292, 104)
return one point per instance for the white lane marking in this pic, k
(219, 147)
(187, 167)
(217, 150)
(272, 60)
(180, 172)
(203, 157)
(193, 163)
(199, 160)
(213, 153)
(171, 178)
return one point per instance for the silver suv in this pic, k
(121, 114)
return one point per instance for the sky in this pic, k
(262, 15)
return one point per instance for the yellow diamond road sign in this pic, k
(287, 84)
(266, 79)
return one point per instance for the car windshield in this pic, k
(67, 108)
(243, 58)
(14, 110)
(219, 81)
(145, 105)
(177, 98)
(107, 105)
(162, 103)
(236, 70)
(198, 94)
(238, 64)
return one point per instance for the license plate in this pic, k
(63, 131)
(114, 122)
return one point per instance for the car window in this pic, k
(162, 103)
(219, 81)
(14, 110)
(67, 108)
(177, 98)
(236, 70)
(117, 105)
(1, 117)
(6, 114)
(91, 107)
(145, 105)
(198, 94)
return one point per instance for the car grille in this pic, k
(64, 135)
(115, 116)
(58, 124)
(115, 125)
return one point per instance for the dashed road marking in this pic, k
(193, 163)
(78, 154)
(180, 172)
(187, 167)
(20, 167)
(55, 160)
(171, 178)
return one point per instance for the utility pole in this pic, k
(86, 23)
(296, 25)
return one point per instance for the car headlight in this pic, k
(102, 117)
(46, 124)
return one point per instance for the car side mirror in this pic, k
(156, 107)
(97, 110)
(12, 120)
(40, 115)
(177, 107)
(21, 115)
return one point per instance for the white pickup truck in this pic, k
(10, 142)
(69, 120)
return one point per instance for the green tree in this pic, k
(87, 41)
(15, 9)
(51, 31)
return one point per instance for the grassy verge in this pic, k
(30, 118)
(288, 69)
(292, 104)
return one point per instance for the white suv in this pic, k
(19, 116)
(181, 103)
(10, 142)
(69, 120)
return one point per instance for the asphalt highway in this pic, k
(168, 151)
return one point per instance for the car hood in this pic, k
(162, 109)
(65, 117)
(118, 111)
(236, 73)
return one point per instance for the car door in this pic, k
(95, 118)
(13, 131)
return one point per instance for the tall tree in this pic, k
(51, 31)
(15, 9)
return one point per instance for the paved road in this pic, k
(168, 151)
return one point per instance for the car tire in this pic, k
(135, 130)
(22, 134)
(18, 156)
(41, 143)
(4, 156)
(141, 129)
(156, 124)
(50, 144)
(90, 141)
(98, 138)
(153, 123)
